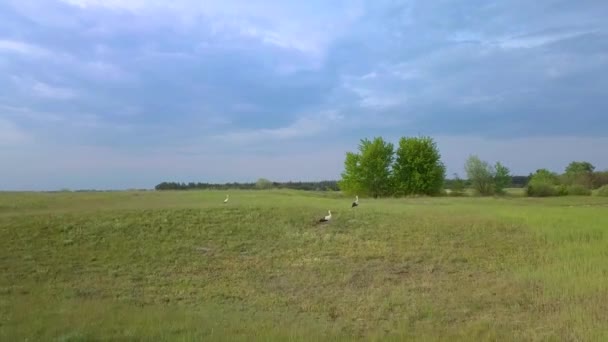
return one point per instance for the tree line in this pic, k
(514, 182)
(414, 167)
(579, 178)
(260, 184)
(263, 184)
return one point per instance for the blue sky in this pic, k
(119, 94)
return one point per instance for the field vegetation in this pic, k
(181, 265)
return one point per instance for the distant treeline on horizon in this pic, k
(330, 185)
(259, 185)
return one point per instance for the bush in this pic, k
(600, 179)
(578, 190)
(543, 184)
(562, 190)
(603, 191)
(542, 189)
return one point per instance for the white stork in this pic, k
(327, 217)
(356, 202)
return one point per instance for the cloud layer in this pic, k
(234, 90)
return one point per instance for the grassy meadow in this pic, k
(184, 266)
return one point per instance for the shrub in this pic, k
(603, 191)
(543, 184)
(600, 179)
(541, 189)
(562, 190)
(578, 190)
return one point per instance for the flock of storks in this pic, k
(327, 217)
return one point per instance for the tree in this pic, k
(579, 167)
(600, 179)
(485, 178)
(579, 173)
(542, 183)
(368, 172)
(263, 183)
(418, 168)
(481, 175)
(502, 178)
(352, 182)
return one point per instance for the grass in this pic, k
(183, 266)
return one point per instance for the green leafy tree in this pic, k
(579, 167)
(579, 173)
(481, 175)
(502, 178)
(352, 178)
(418, 168)
(485, 178)
(543, 183)
(368, 172)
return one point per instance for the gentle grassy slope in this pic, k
(181, 265)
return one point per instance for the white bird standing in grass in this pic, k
(226, 200)
(356, 202)
(327, 217)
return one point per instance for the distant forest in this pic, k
(516, 182)
(259, 185)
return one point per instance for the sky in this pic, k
(113, 94)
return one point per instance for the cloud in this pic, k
(15, 46)
(308, 126)
(52, 92)
(21, 112)
(105, 71)
(45, 90)
(305, 28)
(535, 40)
(11, 134)
(520, 41)
(43, 124)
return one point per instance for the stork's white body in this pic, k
(327, 217)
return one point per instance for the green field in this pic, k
(183, 266)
